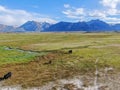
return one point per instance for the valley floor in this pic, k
(39, 59)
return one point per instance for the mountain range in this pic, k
(90, 26)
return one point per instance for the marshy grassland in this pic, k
(26, 55)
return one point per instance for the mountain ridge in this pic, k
(35, 26)
(90, 26)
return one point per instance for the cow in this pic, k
(6, 76)
(70, 52)
(48, 62)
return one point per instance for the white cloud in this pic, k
(79, 11)
(111, 6)
(66, 5)
(113, 12)
(74, 13)
(18, 17)
(97, 13)
(112, 20)
(110, 3)
(108, 12)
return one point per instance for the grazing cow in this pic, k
(70, 52)
(8, 75)
(48, 62)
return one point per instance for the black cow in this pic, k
(6, 76)
(70, 52)
(48, 62)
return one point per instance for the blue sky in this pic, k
(17, 12)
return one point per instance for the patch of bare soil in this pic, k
(83, 82)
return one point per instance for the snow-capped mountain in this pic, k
(93, 25)
(34, 26)
(90, 26)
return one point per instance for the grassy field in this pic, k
(26, 55)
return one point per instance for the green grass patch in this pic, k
(14, 56)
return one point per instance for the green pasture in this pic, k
(87, 47)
